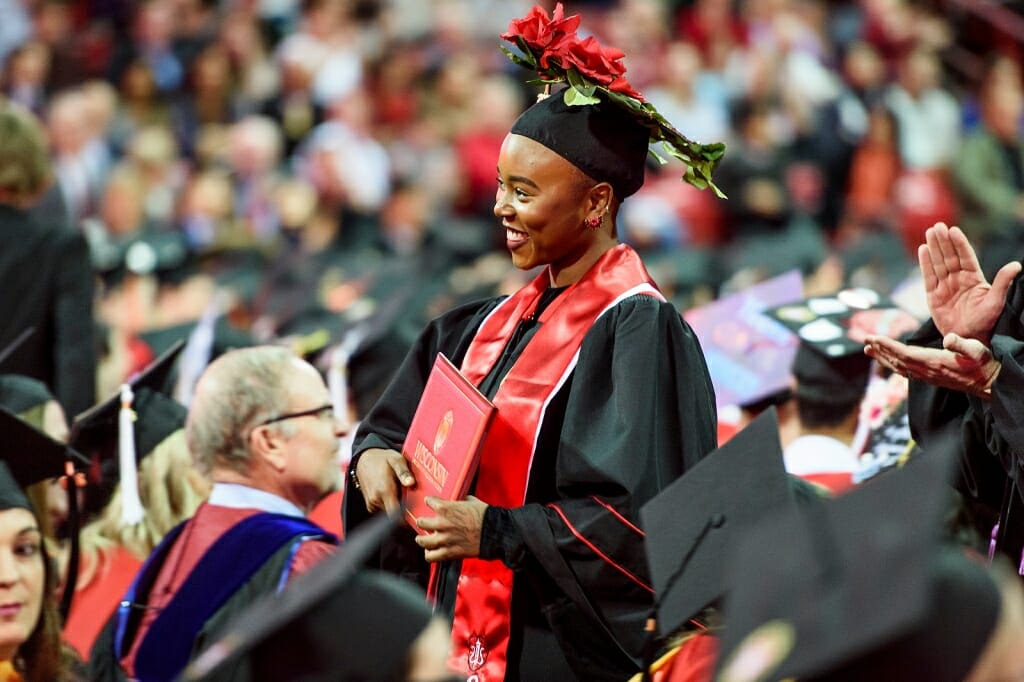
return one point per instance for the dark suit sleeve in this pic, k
(74, 345)
(990, 433)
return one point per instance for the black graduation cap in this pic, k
(19, 393)
(16, 343)
(692, 524)
(226, 336)
(860, 587)
(602, 140)
(96, 429)
(830, 323)
(367, 350)
(28, 455)
(97, 432)
(830, 379)
(336, 622)
(830, 365)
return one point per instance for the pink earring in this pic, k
(593, 222)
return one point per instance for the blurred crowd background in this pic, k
(321, 172)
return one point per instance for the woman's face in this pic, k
(22, 578)
(542, 201)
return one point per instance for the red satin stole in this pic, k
(480, 631)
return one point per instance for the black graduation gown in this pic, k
(991, 432)
(637, 411)
(48, 285)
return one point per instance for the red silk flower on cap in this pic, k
(601, 64)
(550, 46)
(553, 49)
(545, 36)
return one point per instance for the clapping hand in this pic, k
(960, 299)
(964, 365)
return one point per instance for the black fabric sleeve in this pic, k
(388, 421)
(74, 343)
(500, 538)
(1007, 404)
(989, 431)
(640, 412)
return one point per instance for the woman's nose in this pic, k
(8, 568)
(501, 205)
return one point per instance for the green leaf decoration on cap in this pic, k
(551, 47)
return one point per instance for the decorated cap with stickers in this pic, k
(830, 364)
(748, 355)
(836, 325)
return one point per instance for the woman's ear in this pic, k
(600, 198)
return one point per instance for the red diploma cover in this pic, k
(444, 439)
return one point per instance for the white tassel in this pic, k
(198, 349)
(131, 505)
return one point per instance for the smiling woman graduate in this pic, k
(602, 392)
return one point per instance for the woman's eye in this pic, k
(27, 549)
(521, 194)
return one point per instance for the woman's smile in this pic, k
(514, 238)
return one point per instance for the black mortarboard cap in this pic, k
(830, 323)
(830, 365)
(860, 587)
(602, 139)
(95, 431)
(337, 622)
(15, 343)
(27, 456)
(226, 336)
(19, 393)
(692, 524)
(839, 379)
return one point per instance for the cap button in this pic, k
(717, 520)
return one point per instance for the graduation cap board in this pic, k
(127, 426)
(29, 456)
(20, 393)
(748, 355)
(96, 429)
(830, 365)
(21, 338)
(836, 325)
(860, 588)
(335, 622)
(692, 524)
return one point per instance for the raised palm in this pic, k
(960, 299)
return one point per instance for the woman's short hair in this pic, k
(25, 167)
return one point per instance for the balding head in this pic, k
(237, 391)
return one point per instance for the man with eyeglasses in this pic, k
(261, 426)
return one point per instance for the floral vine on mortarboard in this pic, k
(550, 47)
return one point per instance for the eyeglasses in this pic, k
(317, 412)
